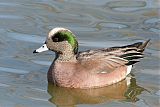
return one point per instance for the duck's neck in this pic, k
(65, 56)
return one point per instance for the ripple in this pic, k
(154, 30)
(84, 29)
(11, 17)
(13, 70)
(88, 2)
(152, 20)
(34, 98)
(8, 4)
(27, 38)
(3, 85)
(158, 93)
(153, 24)
(126, 6)
(101, 43)
(76, 18)
(75, 28)
(41, 62)
(114, 25)
(126, 9)
(141, 103)
(37, 89)
(42, 6)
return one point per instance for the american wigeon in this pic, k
(91, 68)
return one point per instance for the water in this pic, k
(24, 25)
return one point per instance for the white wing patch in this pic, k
(128, 80)
(129, 69)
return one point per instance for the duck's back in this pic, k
(98, 68)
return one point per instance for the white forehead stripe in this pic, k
(55, 30)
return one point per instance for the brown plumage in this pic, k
(91, 68)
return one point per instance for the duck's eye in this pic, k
(55, 39)
(58, 37)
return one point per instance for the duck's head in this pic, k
(61, 41)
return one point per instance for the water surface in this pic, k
(24, 25)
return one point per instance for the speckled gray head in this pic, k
(60, 40)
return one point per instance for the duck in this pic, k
(91, 68)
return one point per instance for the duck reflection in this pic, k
(67, 97)
(133, 90)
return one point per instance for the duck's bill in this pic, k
(41, 49)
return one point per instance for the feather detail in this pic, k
(115, 56)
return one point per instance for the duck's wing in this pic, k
(114, 56)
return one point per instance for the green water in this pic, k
(24, 25)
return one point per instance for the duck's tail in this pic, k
(140, 45)
(143, 45)
(133, 55)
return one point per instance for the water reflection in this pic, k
(65, 97)
(133, 90)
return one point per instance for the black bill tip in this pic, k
(35, 51)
